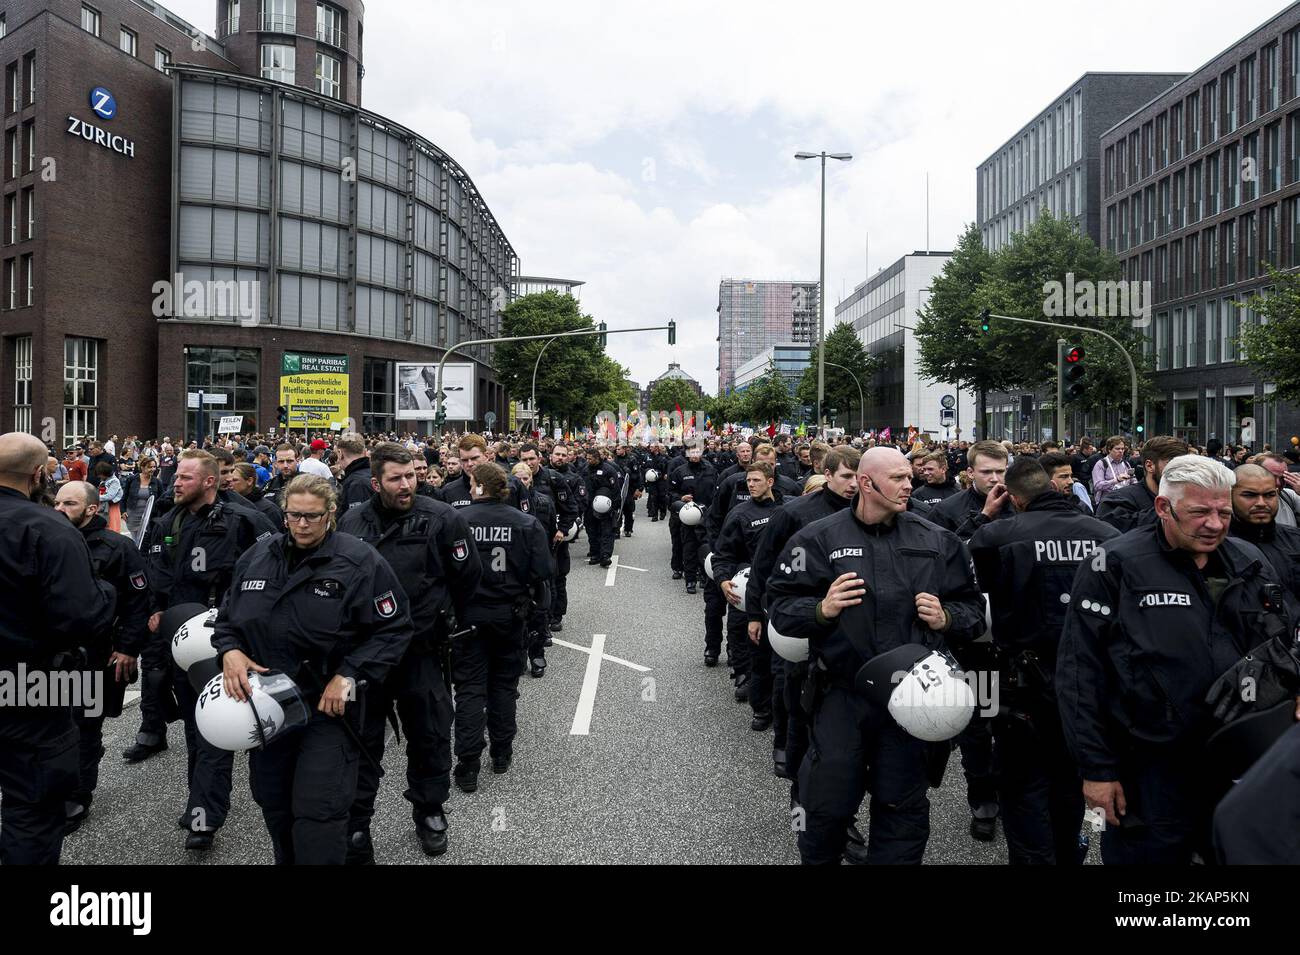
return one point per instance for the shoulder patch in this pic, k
(138, 581)
(386, 605)
(264, 535)
(460, 549)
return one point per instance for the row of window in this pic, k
(1202, 333)
(1065, 198)
(128, 41)
(80, 386)
(1049, 146)
(20, 282)
(20, 83)
(21, 161)
(281, 16)
(20, 216)
(278, 64)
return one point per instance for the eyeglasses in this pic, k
(304, 517)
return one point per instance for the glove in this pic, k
(1266, 676)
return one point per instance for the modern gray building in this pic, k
(753, 315)
(1201, 188)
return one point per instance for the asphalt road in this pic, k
(668, 770)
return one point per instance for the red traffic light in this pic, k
(1074, 355)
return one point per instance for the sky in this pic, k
(647, 148)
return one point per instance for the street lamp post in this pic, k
(536, 417)
(862, 408)
(821, 285)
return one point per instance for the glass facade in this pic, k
(377, 389)
(80, 388)
(229, 372)
(753, 316)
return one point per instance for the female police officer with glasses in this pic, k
(327, 610)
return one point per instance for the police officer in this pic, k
(696, 482)
(627, 461)
(535, 627)
(117, 562)
(1134, 504)
(1254, 519)
(603, 478)
(744, 455)
(327, 610)
(354, 481)
(733, 490)
(1027, 564)
(859, 583)
(1154, 637)
(570, 493)
(840, 468)
(456, 491)
(676, 560)
(747, 644)
(486, 666)
(427, 545)
(657, 490)
(938, 485)
(50, 605)
(190, 552)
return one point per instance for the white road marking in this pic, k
(630, 567)
(587, 698)
(613, 569)
(573, 646)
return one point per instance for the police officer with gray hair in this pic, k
(1165, 631)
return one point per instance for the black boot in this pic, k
(432, 832)
(361, 850)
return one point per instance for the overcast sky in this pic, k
(647, 148)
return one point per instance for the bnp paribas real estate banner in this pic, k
(315, 389)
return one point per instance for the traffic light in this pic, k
(1141, 422)
(1074, 372)
(282, 415)
(672, 332)
(1124, 424)
(984, 321)
(602, 326)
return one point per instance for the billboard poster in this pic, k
(417, 390)
(314, 388)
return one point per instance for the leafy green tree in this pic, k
(844, 350)
(671, 392)
(769, 399)
(571, 373)
(1272, 344)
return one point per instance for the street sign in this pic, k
(192, 399)
(948, 402)
(947, 417)
(490, 417)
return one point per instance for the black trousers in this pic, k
(601, 529)
(976, 741)
(629, 510)
(208, 769)
(486, 669)
(38, 773)
(1170, 808)
(796, 736)
(854, 748)
(657, 498)
(675, 529)
(157, 699)
(416, 689)
(739, 650)
(766, 678)
(695, 547)
(90, 730)
(560, 583)
(306, 784)
(537, 627)
(1041, 796)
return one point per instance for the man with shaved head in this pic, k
(50, 605)
(864, 581)
(1255, 503)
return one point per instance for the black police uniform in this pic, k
(354, 488)
(539, 613)
(788, 464)
(734, 549)
(190, 558)
(51, 605)
(700, 481)
(632, 468)
(1147, 634)
(1027, 565)
(1125, 508)
(456, 493)
(606, 478)
(1258, 822)
(856, 746)
(675, 559)
(569, 492)
(732, 490)
(657, 490)
(118, 563)
(428, 547)
(486, 666)
(790, 517)
(336, 610)
(1279, 543)
(932, 494)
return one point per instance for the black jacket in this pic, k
(963, 513)
(1027, 562)
(131, 485)
(1143, 642)
(339, 611)
(1280, 544)
(50, 599)
(698, 480)
(792, 516)
(429, 549)
(548, 482)
(117, 562)
(516, 561)
(898, 561)
(354, 488)
(736, 545)
(607, 478)
(932, 494)
(577, 490)
(456, 493)
(1128, 507)
(734, 490)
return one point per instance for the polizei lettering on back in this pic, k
(492, 535)
(1063, 551)
(1165, 600)
(101, 137)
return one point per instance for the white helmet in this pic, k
(794, 649)
(601, 504)
(738, 585)
(572, 533)
(924, 691)
(651, 476)
(708, 565)
(690, 514)
(275, 706)
(192, 636)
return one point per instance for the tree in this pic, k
(732, 407)
(668, 393)
(1272, 344)
(769, 399)
(843, 350)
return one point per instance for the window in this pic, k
(1176, 269)
(29, 211)
(1178, 130)
(23, 383)
(329, 24)
(29, 279)
(1249, 89)
(1179, 207)
(14, 149)
(1211, 257)
(1211, 111)
(1270, 236)
(232, 17)
(1163, 352)
(14, 88)
(1271, 164)
(1162, 140)
(279, 16)
(29, 134)
(1148, 149)
(162, 59)
(127, 41)
(327, 75)
(1249, 248)
(1251, 163)
(1212, 332)
(1193, 263)
(377, 390)
(1228, 107)
(1268, 78)
(29, 70)
(1164, 216)
(1189, 335)
(277, 62)
(1212, 185)
(1230, 328)
(1194, 121)
(11, 283)
(90, 19)
(80, 387)
(232, 372)
(11, 217)
(1162, 273)
(1231, 173)
(4, 28)
(1177, 345)
(1228, 237)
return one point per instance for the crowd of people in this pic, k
(1116, 595)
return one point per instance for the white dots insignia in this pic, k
(1065, 598)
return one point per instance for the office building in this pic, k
(753, 315)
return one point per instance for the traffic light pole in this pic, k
(1132, 369)
(1060, 390)
(671, 328)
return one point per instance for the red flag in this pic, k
(885, 434)
(679, 413)
(771, 429)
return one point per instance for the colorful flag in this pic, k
(802, 430)
(771, 429)
(708, 423)
(885, 434)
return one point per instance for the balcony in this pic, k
(334, 36)
(228, 28)
(278, 23)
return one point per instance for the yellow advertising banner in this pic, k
(315, 389)
(514, 421)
